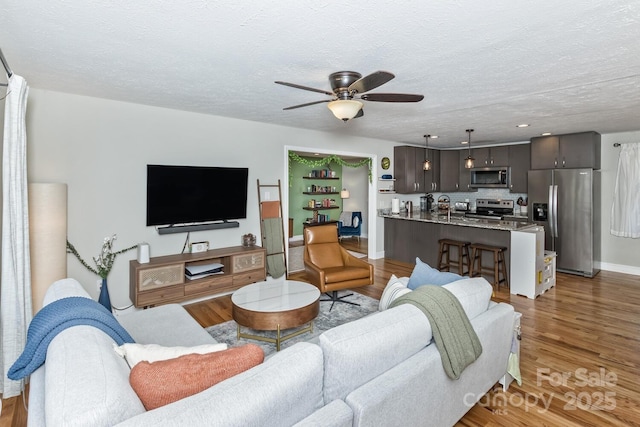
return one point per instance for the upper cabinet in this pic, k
(449, 170)
(520, 162)
(491, 156)
(407, 166)
(574, 150)
(432, 176)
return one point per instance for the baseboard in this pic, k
(619, 268)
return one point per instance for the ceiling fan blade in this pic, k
(371, 81)
(307, 104)
(304, 88)
(392, 97)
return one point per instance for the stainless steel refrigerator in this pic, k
(567, 203)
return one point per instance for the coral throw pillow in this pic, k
(163, 382)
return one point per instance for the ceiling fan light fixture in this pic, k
(345, 109)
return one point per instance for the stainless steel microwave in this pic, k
(491, 177)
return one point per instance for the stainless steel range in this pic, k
(491, 209)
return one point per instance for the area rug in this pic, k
(342, 313)
(357, 254)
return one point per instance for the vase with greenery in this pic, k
(104, 262)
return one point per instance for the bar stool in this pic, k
(463, 256)
(499, 264)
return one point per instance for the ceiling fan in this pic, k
(348, 87)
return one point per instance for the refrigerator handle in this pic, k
(555, 210)
(550, 212)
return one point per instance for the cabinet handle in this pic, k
(555, 162)
(457, 186)
(563, 162)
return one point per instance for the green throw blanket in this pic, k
(453, 334)
(273, 244)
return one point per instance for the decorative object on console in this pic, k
(248, 240)
(143, 253)
(468, 162)
(104, 262)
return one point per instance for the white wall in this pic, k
(100, 148)
(618, 253)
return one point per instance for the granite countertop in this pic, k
(459, 219)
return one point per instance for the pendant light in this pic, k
(468, 162)
(427, 163)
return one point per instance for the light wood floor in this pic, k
(580, 353)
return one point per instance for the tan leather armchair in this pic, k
(330, 267)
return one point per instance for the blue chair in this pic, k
(355, 229)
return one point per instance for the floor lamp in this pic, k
(47, 237)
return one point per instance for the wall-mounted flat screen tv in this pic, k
(195, 194)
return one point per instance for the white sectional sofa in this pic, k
(380, 370)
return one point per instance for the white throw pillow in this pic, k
(394, 289)
(136, 353)
(355, 222)
(474, 294)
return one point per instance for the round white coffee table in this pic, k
(275, 306)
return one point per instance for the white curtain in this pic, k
(625, 212)
(15, 279)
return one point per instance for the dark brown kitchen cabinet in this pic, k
(520, 162)
(491, 156)
(407, 166)
(449, 170)
(432, 176)
(574, 150)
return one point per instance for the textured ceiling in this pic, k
(560, 66)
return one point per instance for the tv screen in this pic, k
(192, 194)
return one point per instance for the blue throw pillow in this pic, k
(423, 274)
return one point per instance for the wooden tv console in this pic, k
(162, 280)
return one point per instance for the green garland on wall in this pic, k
(325, 161)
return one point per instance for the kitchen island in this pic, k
(409, 236)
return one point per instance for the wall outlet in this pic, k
(199, 247)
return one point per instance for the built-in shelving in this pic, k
(390, 188)
(320, 193)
